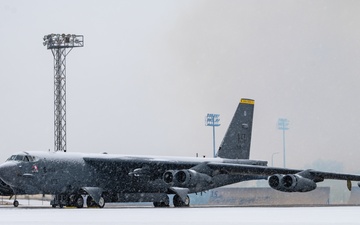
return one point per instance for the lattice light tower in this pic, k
(59, 43)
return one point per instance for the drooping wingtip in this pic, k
(349, 185)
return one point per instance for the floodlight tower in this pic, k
(283, 125)
(213, 121)
(59, 43)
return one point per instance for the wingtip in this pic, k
(349, 185)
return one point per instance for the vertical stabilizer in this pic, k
(236, 143)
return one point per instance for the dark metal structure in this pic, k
(78, 178)
(59, 44)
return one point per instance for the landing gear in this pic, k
(79, 201)
(91, 203)
(16, 203)
(178, 202)
(59, 200)
(101, 202)
(163, 203)
(76, 200)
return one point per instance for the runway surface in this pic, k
(147, 215)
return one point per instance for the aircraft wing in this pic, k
(268, 171)
(146, 163)
(153, 164)
(242, 169)
(180, 174)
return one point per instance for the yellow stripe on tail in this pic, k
(247, 101)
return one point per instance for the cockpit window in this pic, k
(31, 158)
(19, 158)
(24, 158)
(11, 158)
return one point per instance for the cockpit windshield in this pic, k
(22, 157)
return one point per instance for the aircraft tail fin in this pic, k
(236, 143)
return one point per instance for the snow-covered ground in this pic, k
(147, 215)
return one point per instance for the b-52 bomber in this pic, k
(76, 178)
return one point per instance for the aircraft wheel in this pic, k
(16, 203)
(187, 201)
(161, 204)
(101, 202)
(164, 203)
(178, 202)
(79, 201)
(90, 202)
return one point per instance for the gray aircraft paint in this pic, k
(121, 178)
(237, 140)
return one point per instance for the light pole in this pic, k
(58, 44)
(283, 125)
(213, 121)
(272, 158)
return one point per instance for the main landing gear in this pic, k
(178, 202)
(76, 200)
(90, 203)
(163, 203)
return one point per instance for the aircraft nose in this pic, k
(8, 172)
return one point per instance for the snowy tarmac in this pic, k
(148, 215)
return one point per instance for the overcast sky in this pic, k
(151, 70)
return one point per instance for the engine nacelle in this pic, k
(185, 178)
(168, 176)
(291, 183)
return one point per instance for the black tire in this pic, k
(178, 202)
(187, 201)
(90, 202)
(164, 203)
(16, 203)
(101, 203)
(79, 201)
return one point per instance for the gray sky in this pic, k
(151, 70)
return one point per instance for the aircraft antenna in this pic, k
(59, 44)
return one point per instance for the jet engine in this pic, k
(185, 178)
(291, 183)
